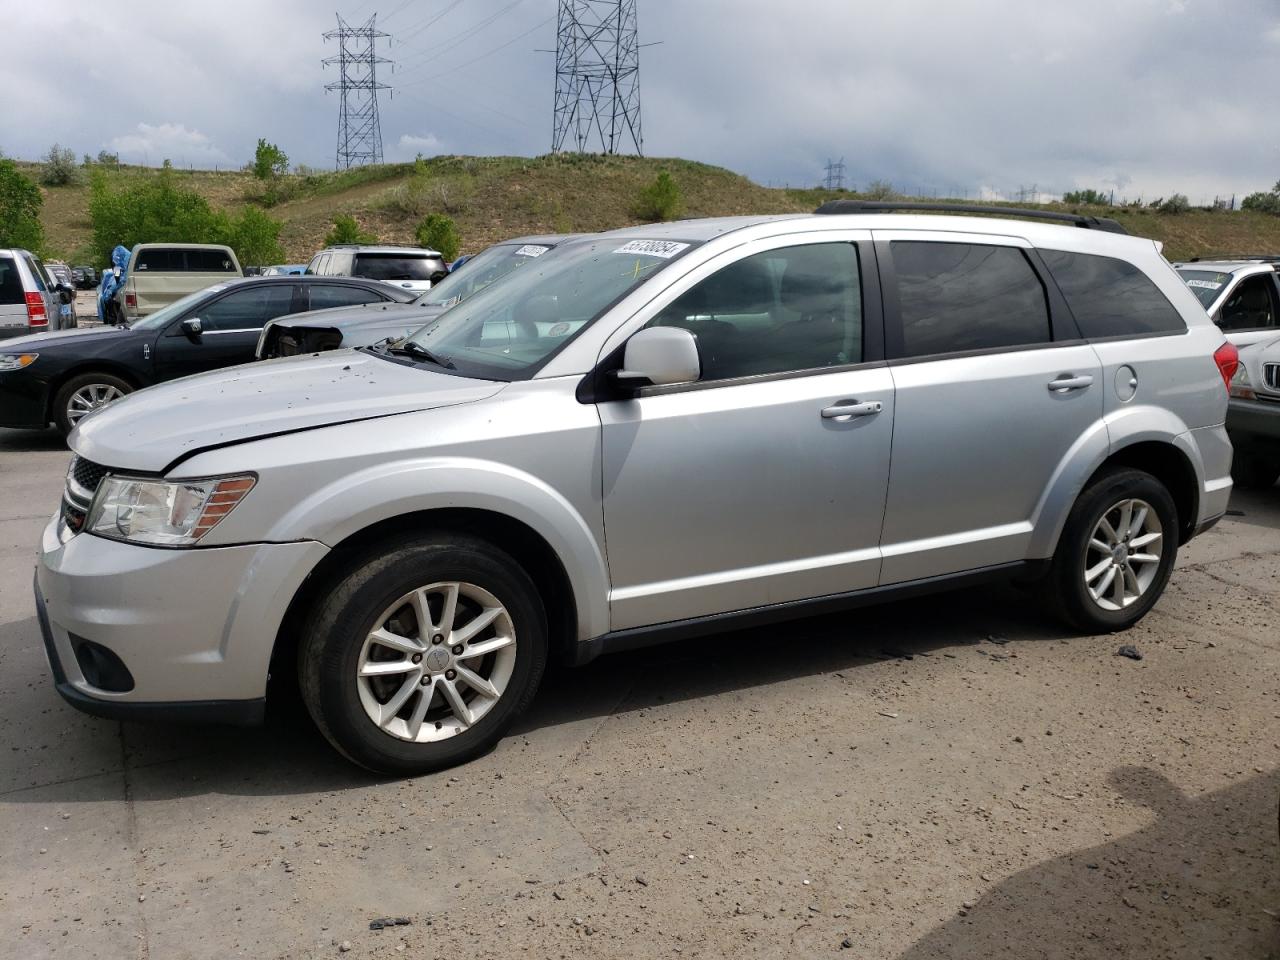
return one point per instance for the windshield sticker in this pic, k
(664, 249)
(1205, 284)
(531, 250)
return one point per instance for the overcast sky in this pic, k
(1144, 96)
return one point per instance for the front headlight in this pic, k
(164, 513)
(16, 361)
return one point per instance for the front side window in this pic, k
(955, 297)
(508, 330)
(796, 308)
(248, 309)
(1109, 297)
(324, 296)
(1249, 306)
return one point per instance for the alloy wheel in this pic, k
(89, 398)
(1123, 556)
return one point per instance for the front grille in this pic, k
(83, 477)
(87, 473)
(1271, 375)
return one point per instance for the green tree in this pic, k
(346, 230)
(149, 210)
(269, 161)
(1095, 197)
(255, 237)
(438, 232)
(1268, 202)
(660, 200)
(108, 159)
(20, 202)
(58, 167)
(1177, 203)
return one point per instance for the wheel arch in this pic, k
(1169, 463)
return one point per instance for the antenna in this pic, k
(835, 175)
(359, 132)
(597, 77)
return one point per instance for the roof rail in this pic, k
(882, 206)
(1226, 257)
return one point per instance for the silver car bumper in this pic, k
(135, 631)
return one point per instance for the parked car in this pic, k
(1242, 295)
(413, 268)
(285, 270)
(30, 299)
(158, 274)
(1253, 416)
(63, 280)
(58, 378)
(371, 323)
(86, 278)
(770, 416)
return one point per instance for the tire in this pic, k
(69, 403)
(1119, 607)
(1255, 471)
(336, 645)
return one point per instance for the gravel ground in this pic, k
(950, 777)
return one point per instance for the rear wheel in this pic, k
(83, 394)
(1255, 471)
(421, 657)
(1116, 552)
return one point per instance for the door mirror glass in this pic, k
(65, 293)
(193, 328)
(660, 356)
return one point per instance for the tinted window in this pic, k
(209, 261)
(37, 273)
(163, 260)
(964, 296)
(798, 308)
(1249, 306)
(249, 308)
(381, 266)
(10, 282)
(325, 296)
(155, 260)
(1109, 297)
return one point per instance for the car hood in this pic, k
(154, 428)
(35, 342)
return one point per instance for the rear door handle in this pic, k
(848, 409)
(1068, 382)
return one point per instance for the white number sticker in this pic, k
(1205, 284)
(531, 250)
(664, 249)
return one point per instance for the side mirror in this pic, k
(660, 356)
(193, 329)
(65, 293)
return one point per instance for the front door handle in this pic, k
(1068, 382)
(848, 409)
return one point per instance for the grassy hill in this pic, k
(492, 198)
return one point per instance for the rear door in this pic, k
(322, 296)
(230, 328)
(993, 388)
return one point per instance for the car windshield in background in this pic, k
(385, 266)
(1205, 284)
(508, 330)
(174, 310)
(481, 270)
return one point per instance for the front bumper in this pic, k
(1253, 419)
(24, 399)
(194, 628)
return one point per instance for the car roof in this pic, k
(382, 248)
(1223, 266)
(314, 280)
(182, 246)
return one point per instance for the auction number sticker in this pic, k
(1204, 284)
(664, 249)
(531, 250)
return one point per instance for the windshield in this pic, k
(480, 271)
(174, 310)
(508, 330)
(396, 266)
(1205, 284)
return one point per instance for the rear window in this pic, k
(164, 260)
(1110, 297)
(10, 282)
(398, 266)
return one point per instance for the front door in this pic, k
(230, 327)
(988, 405)
(751, 487)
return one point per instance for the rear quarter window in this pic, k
(1111, 297)
(10, 282)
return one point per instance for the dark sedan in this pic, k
(59, 377)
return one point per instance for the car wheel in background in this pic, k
(1116, 552)
(83, 394)
(1255, 471)
(423, 654)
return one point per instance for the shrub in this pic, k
(58, 167)
(1095, 197)
(660, 200)
(1177, 203)
(1268, 202)
(269, 161)
(438, 232)
(881, 190)
(346, 230)
(255, 238)
(20, 202)
(108, 159)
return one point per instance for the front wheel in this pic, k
(422, 656)
(1116, 552)
(84, 394)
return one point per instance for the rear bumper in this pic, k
(1253, 419)
(1211, 447)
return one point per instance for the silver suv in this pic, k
(31, 299)
(645, 435)
(413, 268)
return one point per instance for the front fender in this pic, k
(354, 502)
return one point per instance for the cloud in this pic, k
(410, 145)
(153, 143)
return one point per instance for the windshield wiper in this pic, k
(411, 349)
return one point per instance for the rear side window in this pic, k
(37, 273)
(381, 266)
(158, 260)
(966, 296)
(209, 261)
(162, 260)
(324, 296)
(1110, 297)
(248, 308)
(10, 282)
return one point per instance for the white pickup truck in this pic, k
(160, 273)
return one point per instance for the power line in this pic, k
(359, 131)
(488, 53)
(463, 35)
(597, 76)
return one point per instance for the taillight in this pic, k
(1227, 357)
(37, 316)
(131, 300)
